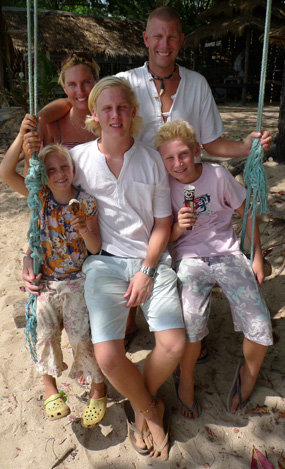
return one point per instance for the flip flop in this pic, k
(129, 339)
(166, 425)
(132, 429)
(236, 389)
(184, 406)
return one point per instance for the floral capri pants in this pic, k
(233, 273)
(61, 304)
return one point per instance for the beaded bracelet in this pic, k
(85, 232)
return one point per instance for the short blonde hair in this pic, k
(165, 14)
(176, 129)
(77, 60)
(107, 83)
(55, 148)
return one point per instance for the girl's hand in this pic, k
(31, 143)
(30, 278)
(78, 223)
(186, 218)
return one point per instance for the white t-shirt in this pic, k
(217, 195)
(193, 102)
(128, 205)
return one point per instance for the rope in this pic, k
(254, 174)
(34, 182)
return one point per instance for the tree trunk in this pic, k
(280, 143)
(246, 63)
(1, 50)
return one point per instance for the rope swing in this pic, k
(34, 182)
(254, 174)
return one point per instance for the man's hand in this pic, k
(265, 140)
(139, 290)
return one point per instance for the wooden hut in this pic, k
(116, 44)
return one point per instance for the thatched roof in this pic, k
(277, 36)
(233, 17)
(62, 32)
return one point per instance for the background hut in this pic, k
(116, 44)
(235, 26)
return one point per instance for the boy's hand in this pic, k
(78, 223)
(139, 290)
(30, 278)
(186, 218)
(265, 140)
(258, 269)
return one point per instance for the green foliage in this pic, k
(135, 9)
(18, 95)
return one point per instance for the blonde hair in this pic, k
(176, 129)
(55, 148)
(165, 14)
(107, 83)
(77, 60)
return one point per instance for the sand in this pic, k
(217, 439)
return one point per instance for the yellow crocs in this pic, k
(56, 407)
(94, 412)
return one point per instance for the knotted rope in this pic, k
(254, 174)
(34, 182)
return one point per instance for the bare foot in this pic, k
(81, 380)
(155, 424)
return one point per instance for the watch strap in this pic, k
(149, 271)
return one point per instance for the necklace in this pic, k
(156, 77)
(86, 138)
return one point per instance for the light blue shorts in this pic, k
(107, 280)
(233, 273)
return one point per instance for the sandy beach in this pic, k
(216, 439)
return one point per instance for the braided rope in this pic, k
(34, 182)
(254, 174)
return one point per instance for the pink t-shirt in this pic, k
(217, 195)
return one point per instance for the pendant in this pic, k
(161, 88)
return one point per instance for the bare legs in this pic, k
(187, 379)
(50, 386)
(127, 379)
(253, 354)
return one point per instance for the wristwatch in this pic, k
(149, 271)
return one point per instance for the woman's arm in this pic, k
(9, 163)
(55, 110)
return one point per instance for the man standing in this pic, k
(166, 91)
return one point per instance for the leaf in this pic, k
(211, 434)
(280, 314)
(266, 252)
(259, 461)
(258, 410)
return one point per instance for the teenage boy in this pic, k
(209, 253)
